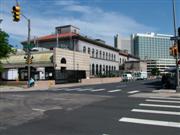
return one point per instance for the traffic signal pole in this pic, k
(176, 43)
(16, 14)
(29, 53)
(28, 48)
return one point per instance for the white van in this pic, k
(127, 77)
(141, 75)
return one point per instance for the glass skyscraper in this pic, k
(153, 47)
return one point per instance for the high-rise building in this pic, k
(122, 43)
(153, 47)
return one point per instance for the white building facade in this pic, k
(73, 54)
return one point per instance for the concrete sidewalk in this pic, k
(42, 88)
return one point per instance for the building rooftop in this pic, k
(66, 26)
(152, 34)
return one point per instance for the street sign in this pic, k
(175, 38)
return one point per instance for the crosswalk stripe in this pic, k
(157, 105)
(150, 122)
(115, 90)
(132, 92)
(156, 112)
(165, 98)
(97, 90)
(68, 89)
(162, 101)
(85, 89)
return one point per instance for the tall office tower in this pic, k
(154, 48)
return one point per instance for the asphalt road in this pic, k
(106, 109)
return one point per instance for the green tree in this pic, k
(155, 71)
(5, 47)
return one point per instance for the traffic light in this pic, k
(16, 13)
(28, 60)
(173, 50)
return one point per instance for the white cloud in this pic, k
(78, 8)
(92, 21)
(65, 2)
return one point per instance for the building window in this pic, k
(103, 68)
(89, 50)
(84, 49)
(63, 61)
(93, 69)
(120, 61)
(96, 53)
(97, 71)
(93, 52)
(103, 55)
(106, 69)
(100, 53)
(114, 57)
(109, 56)
(100, 69)
(106, 56)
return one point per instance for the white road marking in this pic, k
(156, 112)
(162, 101)
(132, 92)
(165, 98)
(115, 90)
(69, 89)
(36, 109)
(97, 90)
(150, 122)
(156, 105)
(85, 89)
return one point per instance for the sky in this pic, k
(96, 18)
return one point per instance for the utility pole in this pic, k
(175, 42)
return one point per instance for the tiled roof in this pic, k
(54, 36)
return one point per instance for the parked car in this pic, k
(127, 77)
(141, 75)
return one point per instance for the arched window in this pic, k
(103, 55)
(120, 61)
(100, 53)
(106, 69)
(63, 61)
(97, 71)
(93, 52)
(103, 68)
(100, 69)
(106, 55)
(96, 53)
(89, 50)
(92, 69)
(84, 49)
